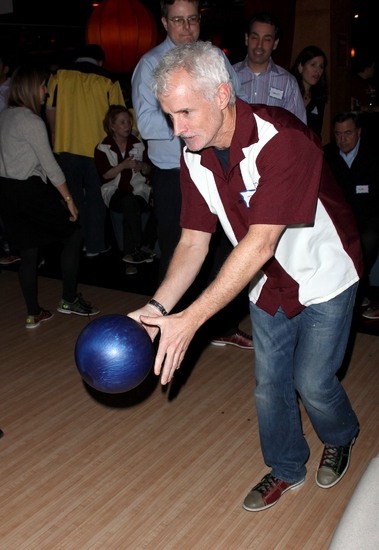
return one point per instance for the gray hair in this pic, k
(203, 61)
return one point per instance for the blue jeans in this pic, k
(300, 357)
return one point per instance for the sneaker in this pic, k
(365, 302)
(267, 493)
(95, 254)
(131, 270)
(239, 339)
(138, 257)
(79, 307)
(148, 251)
(372, 312)
(334, 464)
(34, 321)
(6, 260)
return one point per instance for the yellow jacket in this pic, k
(81, 101)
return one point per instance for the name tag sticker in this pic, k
(277, 94)
(359, 189)
(246, 195)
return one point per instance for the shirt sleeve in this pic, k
(35, 134)
(195, 213)
(236, 81)
(151, 121)
(115, 95)
(51, 88)
(294, 101)
(289, 184)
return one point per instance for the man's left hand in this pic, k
(177, 332)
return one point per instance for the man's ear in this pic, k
(223, 95)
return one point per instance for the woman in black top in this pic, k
(309, 71)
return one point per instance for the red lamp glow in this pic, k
(125, 29)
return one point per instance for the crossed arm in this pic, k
(177, 330)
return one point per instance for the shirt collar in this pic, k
(349, 157)
(245, 132)
(86, 59)
(170, 42)
(271, 67)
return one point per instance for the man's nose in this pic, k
(178, 127)
(259, 44)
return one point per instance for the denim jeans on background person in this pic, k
(84, 184)
(301, 356)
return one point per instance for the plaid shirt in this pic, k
(274, 86)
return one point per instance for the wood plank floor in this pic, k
(151, 469)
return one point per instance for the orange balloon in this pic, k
(125, 29)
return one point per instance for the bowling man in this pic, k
(260, 171)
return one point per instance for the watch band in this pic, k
(158, 306)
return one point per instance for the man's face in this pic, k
(260, 45)
(183, 32)
(196, 120)
(347, 135)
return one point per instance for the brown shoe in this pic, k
(267, 493)
(239, 339)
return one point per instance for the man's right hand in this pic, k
(148, 311)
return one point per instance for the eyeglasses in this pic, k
(181, 21)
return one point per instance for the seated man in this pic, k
(355, 165)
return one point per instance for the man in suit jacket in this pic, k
(355, 165)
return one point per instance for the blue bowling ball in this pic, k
(114, 353)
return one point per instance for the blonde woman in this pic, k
(35, 204)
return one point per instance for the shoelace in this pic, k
(84, 304)
(244, 334)
(266, 484)
(331, 456)
(82, 301)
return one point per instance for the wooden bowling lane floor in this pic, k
(150, 469)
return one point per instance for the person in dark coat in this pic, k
(355, 164)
